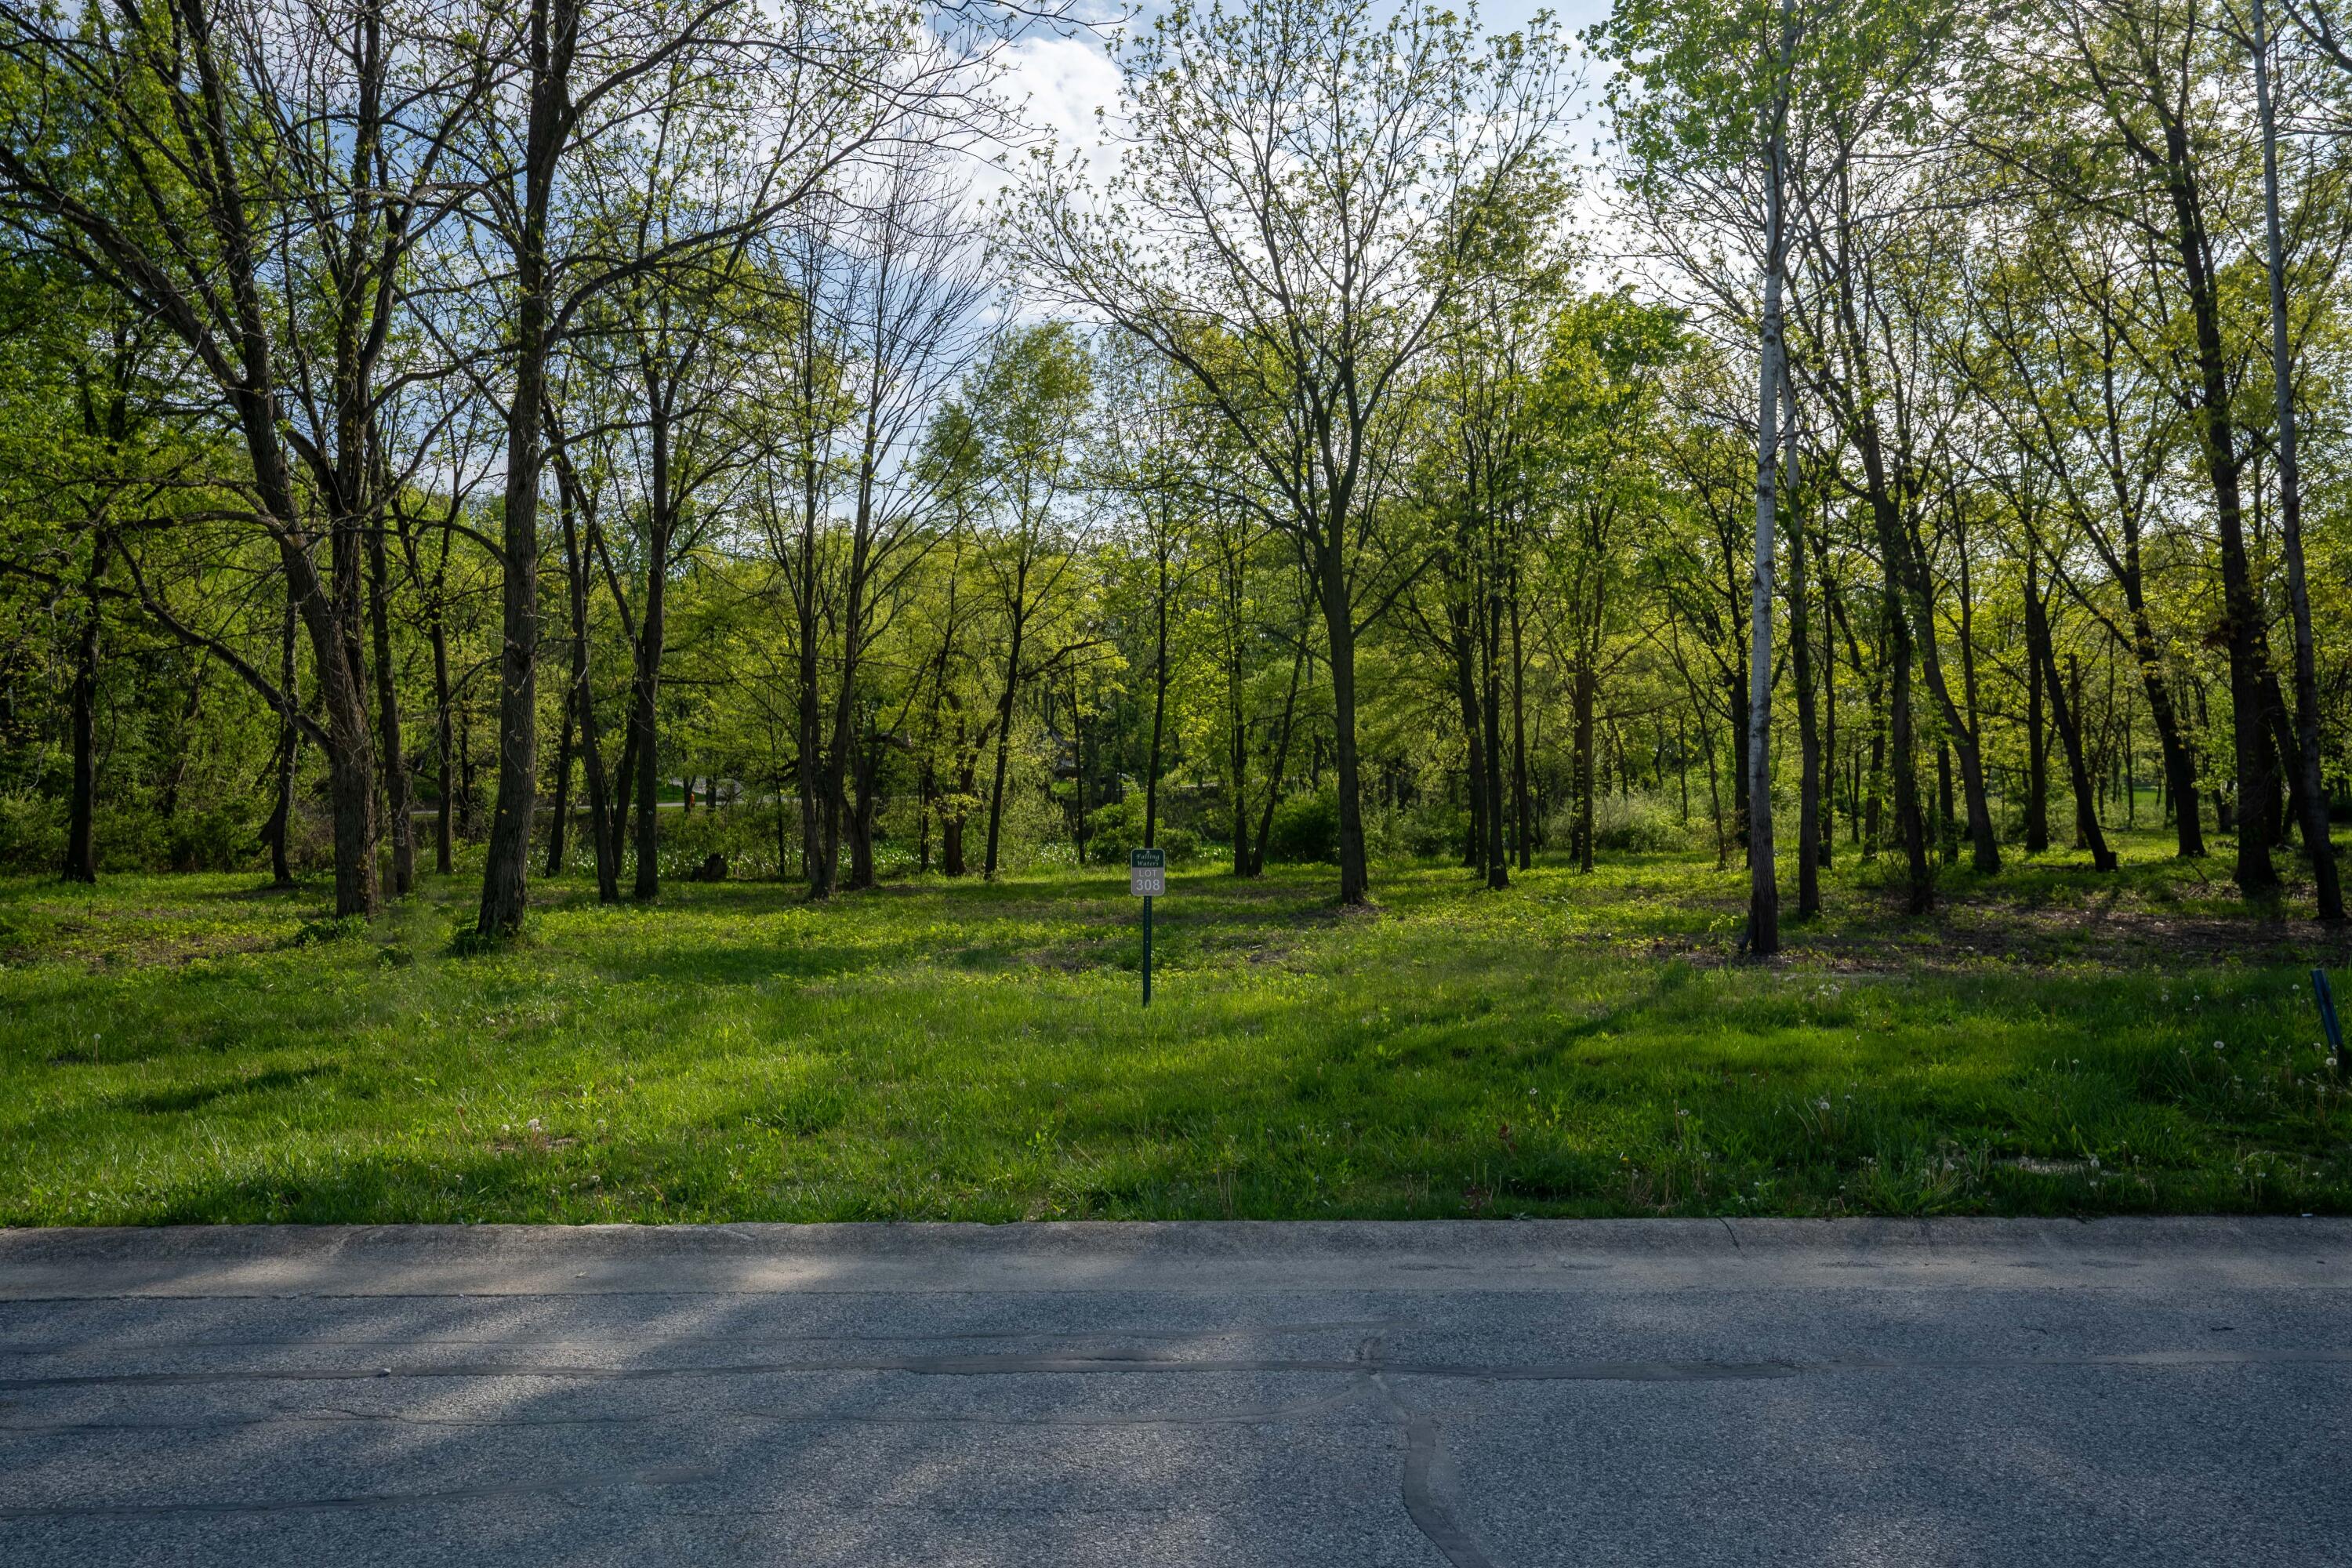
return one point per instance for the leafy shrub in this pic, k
(1112, 830)
(32, 833)
(1306, 828)
(1436, 827)
(336, 928)
(1625, 824)
(222, 837)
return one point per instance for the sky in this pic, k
(1064, 79)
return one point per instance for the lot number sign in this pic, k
(1146, 878)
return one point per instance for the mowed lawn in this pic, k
(189, 1048)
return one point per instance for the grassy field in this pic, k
(188, 1048)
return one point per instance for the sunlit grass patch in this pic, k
(2048, 1042)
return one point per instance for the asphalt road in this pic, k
(1507, 1395)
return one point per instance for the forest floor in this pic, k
(179, 1048)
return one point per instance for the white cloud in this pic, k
(1065, 92)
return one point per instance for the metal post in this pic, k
(2319, 989)
(1146, 953)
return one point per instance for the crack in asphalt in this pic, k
(1425, 1481)
(1421, 1487)
(336, 1416)
(984, 1365)
(639, 1475)
(1069, 1336)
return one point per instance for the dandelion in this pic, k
(2217, 1045)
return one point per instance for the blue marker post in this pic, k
(1146, 878)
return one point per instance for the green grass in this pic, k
(188, 1048)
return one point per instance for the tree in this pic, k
(1287, 229)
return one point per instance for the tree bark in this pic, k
(283, 761)
(1522, 817)
(553, 35)
(2037, 755)
(397, 800)
(2241, 608)
(1339, 628)
(81, 850)
(1004, 715)
(1159, 707)
(1800, 670)
(2311, 786)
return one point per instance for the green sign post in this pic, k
(1146, 878)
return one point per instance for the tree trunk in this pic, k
(601, 829)
(560, 815)
(1465, 691)
(1158, 711)
(1238, 739)
(444, 741)
(1763, 937)
(1581, 687)
(1800, 670)
(283, 761)
(1498, 864)
(1281, 760)
(2087, 833)
(2311, 787)
(1004, 718)
(81, 849)
(1960, 735)
(394, 763)
(1522, 818)
(2242, 607)
(2037, 754)
(1948, 831)
(1339, 629)
(862, 805)
(652, 630)
(506, 867)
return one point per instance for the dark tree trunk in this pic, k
(1826, 848)
(2087, 833)
(282, 762)
(2242, 606)
(625, 797)
(1800, 668)
(560, 814)
(602, 829)
(2037, 760)
(1498, 864)
(2302, 754)
(1947, 827)
(444, 742)
(1339, 633)
(652, 630)
(397, 798)
(1474, 773)
(862, 805)
(1281, 760)
(1522, 817)
(1004, 718)
(553, 35)
(81, 849)
(1959, 734)
(1159, 710)
(1581, 688)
